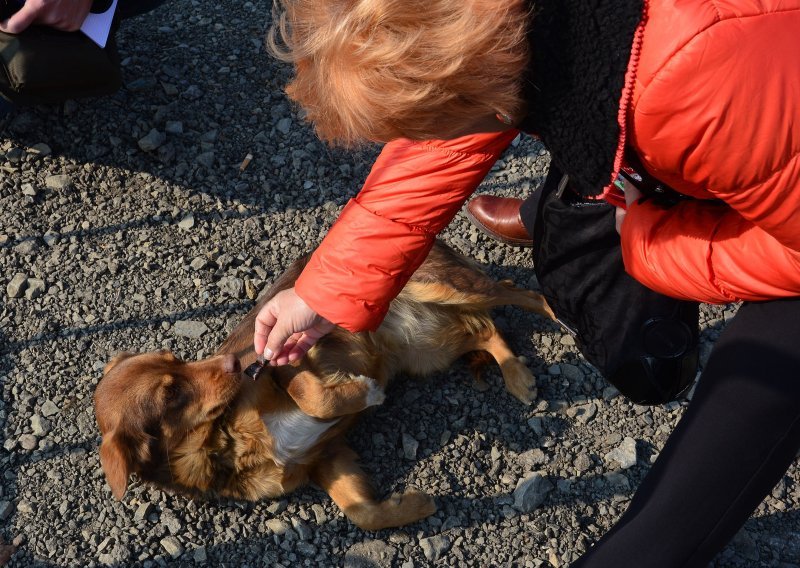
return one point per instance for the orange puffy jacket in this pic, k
(712, 107)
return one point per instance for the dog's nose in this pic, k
(230, 364)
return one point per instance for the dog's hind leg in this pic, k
(518, 378)
(346, 483)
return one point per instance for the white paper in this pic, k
(98, 26)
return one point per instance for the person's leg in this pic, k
(738, 437)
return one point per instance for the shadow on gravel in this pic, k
(134, 224)
(78, 332)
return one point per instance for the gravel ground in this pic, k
(126, 224)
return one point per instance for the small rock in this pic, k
(36, 288)
(232, 286)
(276, 526)
(284, 125)
(531, 492)
(187, 222)
(370, 554)
(199, 263)
(434, 547)
(610, 393)
(302, 529)
(152, 140)
(26, 247)
(571, 372)
(174, 127)
(584, 413)
(173, 546)
(189, 328)
(60, 181)
(532, 458)
(6, 509)
(16, 288)
(410, 446)
(141, 84)
(624, 454)
(142, 511)
(40, 426)
(537, 425)
(49, 408)
(28, 442)
(29, 190)
(583, 462)
(206, 159)
(41, 149)
(319, 514)
(200, 556)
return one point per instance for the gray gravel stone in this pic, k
(16, 288)
(531, 492)
(624, 454)
(40, 426)
(58, 181)
(36, 288)
(28, 442)
(187, 222)
(410, 446)
(370, 554)
(50, 408)
(152, 141)
(6, 509)
(173, 546)
(190, 328)
(435, 547)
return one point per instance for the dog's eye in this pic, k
(173, 394)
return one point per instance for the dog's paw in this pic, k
(414, 504)
(519, 381)
(375, 393)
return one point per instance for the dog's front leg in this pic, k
(346, 483)
(330, 399)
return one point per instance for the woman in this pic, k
(706, 95)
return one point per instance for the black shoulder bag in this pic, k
(644, 343)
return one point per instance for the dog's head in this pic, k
(149, 406)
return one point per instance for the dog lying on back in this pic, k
(203, 426)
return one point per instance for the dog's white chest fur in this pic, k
(294, 433)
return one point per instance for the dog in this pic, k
(203, 427)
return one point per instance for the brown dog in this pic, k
(204, 427)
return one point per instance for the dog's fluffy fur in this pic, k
(203, 427)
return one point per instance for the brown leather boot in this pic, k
(499, 218)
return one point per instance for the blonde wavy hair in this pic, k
(376, 70)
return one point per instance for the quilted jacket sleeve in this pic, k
(720, 118)
(383, 234)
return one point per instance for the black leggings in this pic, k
(739, 435)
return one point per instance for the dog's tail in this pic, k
(503, 293)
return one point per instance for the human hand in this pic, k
(286, 328)
(65, 15)
(632, 194)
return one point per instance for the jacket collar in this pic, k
(576, 85)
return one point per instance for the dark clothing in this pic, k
(739, 435)
(130, 8)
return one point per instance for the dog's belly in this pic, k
(294, 433)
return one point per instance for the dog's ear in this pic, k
(116, 360)
(115, 463)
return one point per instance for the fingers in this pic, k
(286, 328)
(65, 15)
(21, 20)
(265, 321)
(619, 217)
